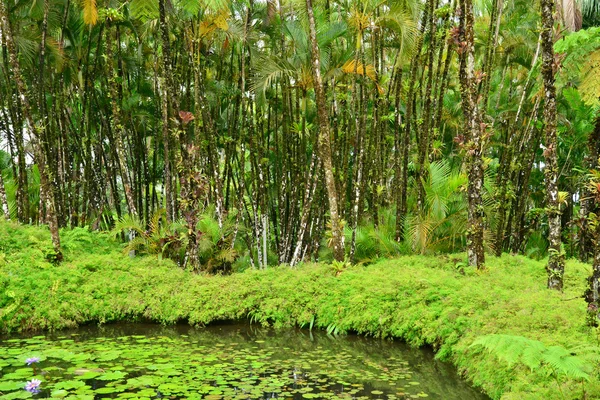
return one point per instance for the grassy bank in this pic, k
(423, 300)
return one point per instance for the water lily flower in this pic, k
(33, 386)
(32, 360)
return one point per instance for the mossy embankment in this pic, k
(422, 300)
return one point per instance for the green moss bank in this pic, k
(422, 300)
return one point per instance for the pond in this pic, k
(229, 361)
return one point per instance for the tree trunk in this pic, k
(360, 143)
(473, 137)
(587, 199)
(166, 103)
(325, 139)
(592, 295)
(3, 201)
(399, 226)
(556, 263)
(424, 138)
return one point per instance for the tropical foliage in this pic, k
(234, 134)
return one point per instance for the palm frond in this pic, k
(419, 230)
(90, 11)
(214, 5)
(402, 24)
(129, 223)
(144, 10)
(269, 70)
(589, 8)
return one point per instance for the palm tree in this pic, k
(556, 263)
(325, 139)
(474, 127)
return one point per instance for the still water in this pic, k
(230, 361)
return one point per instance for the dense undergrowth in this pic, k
(423, 300)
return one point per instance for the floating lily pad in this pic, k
(112, 376)
(213, 364)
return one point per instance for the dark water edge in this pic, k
(369, 367)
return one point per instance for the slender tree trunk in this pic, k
(587, 198)
(166, 106)
(592, 295)
(445, 76)
(424, 139)
(473, 137)
(556, 263)
(325, 139)
(38, 133)
(399, 231)
(490, 55)
(360, 142)
(3, 200)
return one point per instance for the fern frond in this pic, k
(510, 348)
(561, 360)
(535, 355)
(532, 357)
(590, 83)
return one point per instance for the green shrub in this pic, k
(422, 300)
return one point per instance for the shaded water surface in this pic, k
(233, 361)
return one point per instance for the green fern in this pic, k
(80, 235)
(590, 83)
(580, 66)
(76, 238)
(554, 360)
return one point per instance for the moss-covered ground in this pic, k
(421, 300)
